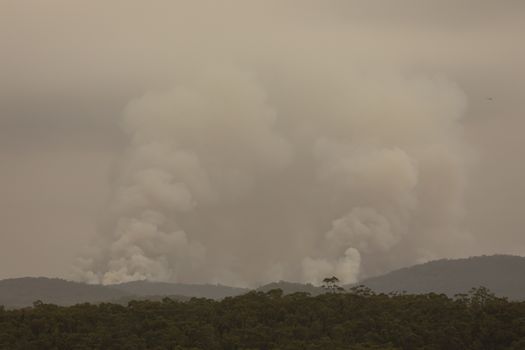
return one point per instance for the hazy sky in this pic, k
(78, 77)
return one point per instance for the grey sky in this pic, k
(69, 68)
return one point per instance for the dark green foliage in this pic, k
(354, 321)
(331, 285)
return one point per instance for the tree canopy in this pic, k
(271, 320)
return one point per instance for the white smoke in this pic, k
(285, 168)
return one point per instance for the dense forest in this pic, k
(359, 319)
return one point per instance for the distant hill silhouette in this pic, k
(504, 275)
(126, 299)
(21, 292)
(146, 288)
(290, 288)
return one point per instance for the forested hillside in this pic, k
(504, 275)
(348, 321)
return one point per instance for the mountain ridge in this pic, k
(504, 275)
(146, 288)
(23, 291)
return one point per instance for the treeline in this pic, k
(356, 320)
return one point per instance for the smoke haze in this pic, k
(247, 142)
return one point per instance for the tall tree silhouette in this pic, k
(331, 285)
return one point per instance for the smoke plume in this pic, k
(252, 167)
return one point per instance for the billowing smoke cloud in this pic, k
(229, 178)
(252, 167)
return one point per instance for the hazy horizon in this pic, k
(241, 142)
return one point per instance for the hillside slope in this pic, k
(290, 288)
(504, 275)
(20, 292)
(211, 291)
